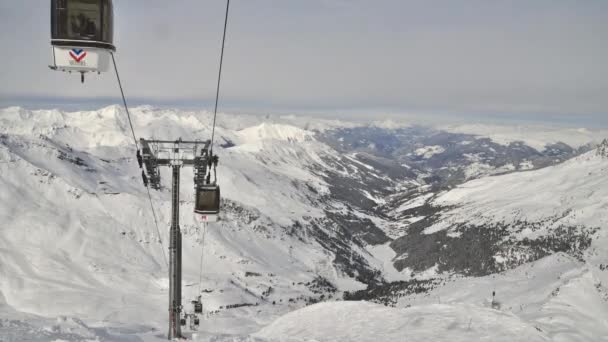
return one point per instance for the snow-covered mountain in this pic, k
(537, 239)
(313, 210)
(78, 237)
(504, 221)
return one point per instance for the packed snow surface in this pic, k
(362, 321)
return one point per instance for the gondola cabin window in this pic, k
(82, 20)
(207, 200)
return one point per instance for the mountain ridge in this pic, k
(312, 210)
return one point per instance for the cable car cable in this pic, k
(214, 159)
(160, 239)
(200, 275)
(219, 75)
(124, 101)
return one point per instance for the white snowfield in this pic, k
(80, 258)
(567, 298)
(77, 236)
(367, 322)
(574, 192)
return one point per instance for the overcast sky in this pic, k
(546, 58)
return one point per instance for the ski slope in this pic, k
(362, 321)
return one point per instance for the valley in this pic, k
(315, 214)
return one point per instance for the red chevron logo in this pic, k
(78, 54)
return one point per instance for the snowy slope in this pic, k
(361, 321)
(78, 238)
(80, 257)
(537, 238)
(559, 296)
(541, 202)
(576, 190)
(514, 218)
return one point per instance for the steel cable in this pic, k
(124, 101)
(200, 276)
(219, 75)
(217, 96)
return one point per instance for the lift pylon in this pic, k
(175, 154)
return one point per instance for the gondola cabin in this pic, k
(82, 35)
(207, 203)
(198, 305)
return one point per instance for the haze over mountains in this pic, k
(426, 220)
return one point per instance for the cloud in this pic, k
(543, 57)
